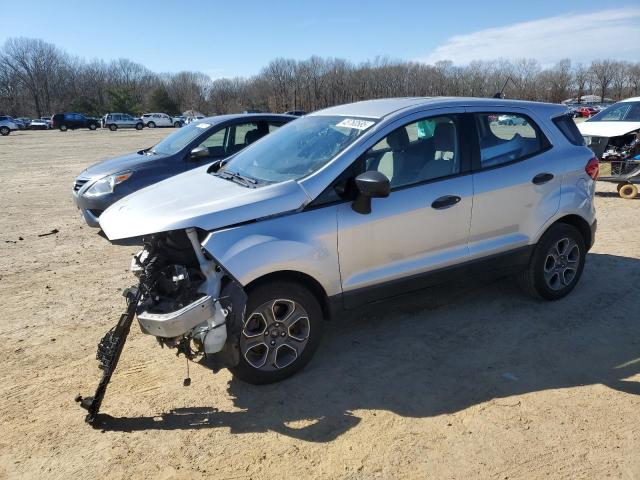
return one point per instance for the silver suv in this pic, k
(245, 259)
(114, 121)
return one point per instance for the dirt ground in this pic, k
(472, 381)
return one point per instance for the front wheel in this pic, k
(93, 126)
(63, 128)
(280, 334)
(177, 125)
(139, 126)
(556, 263)
(4, 131)
(151, 125)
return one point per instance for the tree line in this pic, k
(37, 79)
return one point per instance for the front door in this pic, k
(423, 225)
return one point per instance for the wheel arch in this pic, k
(328, 310)
(580, 224)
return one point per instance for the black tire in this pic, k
(272, 292)
(63, 128)
(151, 125)
(139, 126)
(533, 281)
(177, 125)
(113, 127)
(4, 131)
(628, 191)
(93, 126)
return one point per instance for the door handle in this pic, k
(542, 178)
(445, 202)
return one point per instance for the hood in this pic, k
(132, 161)
(197, 199)
(607, 129)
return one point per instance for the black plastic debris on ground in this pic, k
(52, 232)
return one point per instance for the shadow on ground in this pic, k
(614, 195)
(440, 351)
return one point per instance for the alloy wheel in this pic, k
(275, 334)
(561, 264)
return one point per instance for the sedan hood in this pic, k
(110, 166)
(607, 129)
(197, 199)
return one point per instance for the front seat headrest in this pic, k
(398, 140)
(444, 137)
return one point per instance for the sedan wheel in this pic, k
(4, 131)
(151, 125)
(113, 127)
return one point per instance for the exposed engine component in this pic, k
(179, 301)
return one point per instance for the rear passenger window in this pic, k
(507, 137)
(568, 128)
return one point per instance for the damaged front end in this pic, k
(184, 299)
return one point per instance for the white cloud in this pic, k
(582, 37)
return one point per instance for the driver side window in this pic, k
(417, 152)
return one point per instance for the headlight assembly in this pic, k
(106, 184)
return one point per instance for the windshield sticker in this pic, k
(355, 123)
(203, 125)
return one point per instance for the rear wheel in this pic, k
(4, 131)
(177, 125)
(63, 128)
(92, 126)
(628, 191)
(151, 125)
(556, 264)
(113, 127)
(281, 332)
(139, 126)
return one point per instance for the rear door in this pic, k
(516, 180)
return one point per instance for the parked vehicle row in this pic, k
(244, 258)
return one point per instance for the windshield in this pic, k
(620, 112)
(298, 148)
(180, 139)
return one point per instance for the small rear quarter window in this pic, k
(568, 128)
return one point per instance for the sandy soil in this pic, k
(475, 381)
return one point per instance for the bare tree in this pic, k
(602, 72)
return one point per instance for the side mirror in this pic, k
(198, 153)
(372, 184)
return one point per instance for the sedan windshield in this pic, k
(297, 149)
(620, 112)
(180, 139)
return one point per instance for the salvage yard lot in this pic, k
(471, 381)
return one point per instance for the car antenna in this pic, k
(500, 94)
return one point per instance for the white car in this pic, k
(153, 120)
(613, 129)
(7, 125)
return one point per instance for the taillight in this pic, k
(592, 168)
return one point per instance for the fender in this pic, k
(305, 242)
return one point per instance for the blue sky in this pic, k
(239, 37)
